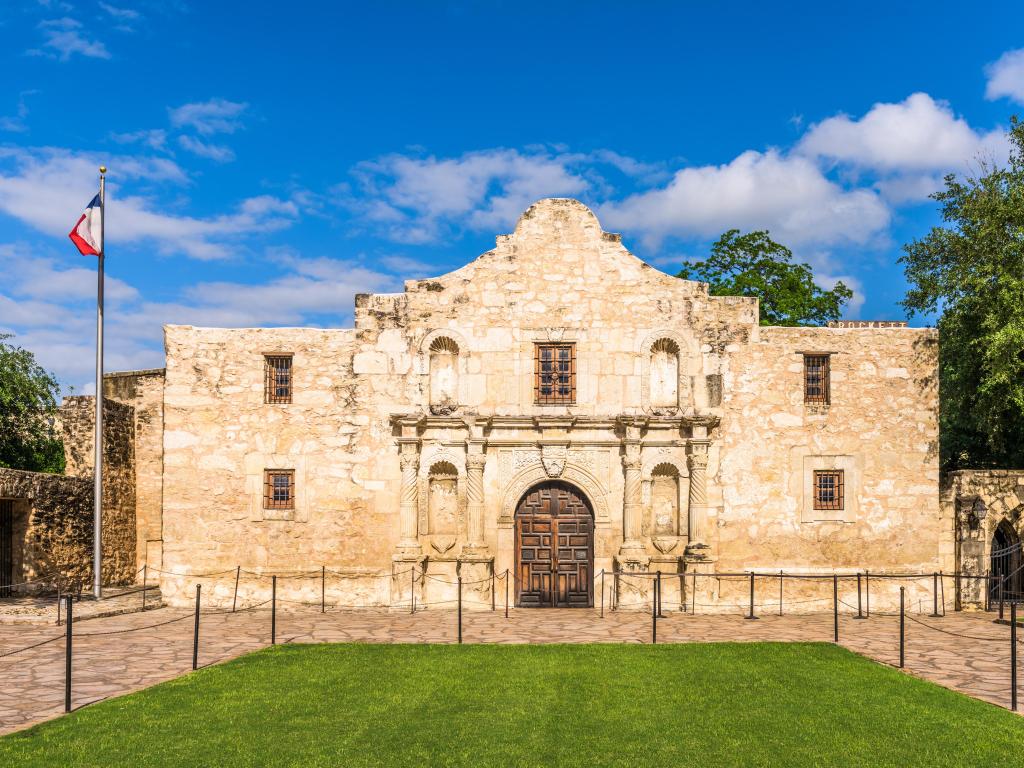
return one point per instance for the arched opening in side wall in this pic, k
(1005, 563)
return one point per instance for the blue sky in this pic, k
(268, 161)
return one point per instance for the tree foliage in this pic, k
(755, 265)
(28, 409)
(971, 269)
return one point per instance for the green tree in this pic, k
(28, 408)
(755, 265)
(971, 270)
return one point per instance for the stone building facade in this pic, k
(555, 408)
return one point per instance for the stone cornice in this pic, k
(545, 423)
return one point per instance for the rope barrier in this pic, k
(30, 647)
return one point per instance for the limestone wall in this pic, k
(52, 527)
(144, 392)
(220, 436)
(77, 415)
(1001, 493)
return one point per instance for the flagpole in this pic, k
(97, 495)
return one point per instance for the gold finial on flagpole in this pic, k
(103, 169)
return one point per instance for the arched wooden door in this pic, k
(554, 548)
(1006, 563)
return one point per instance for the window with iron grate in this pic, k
(817, 388)
(278, 378)
(828, 489)
(555, 374)
(279, 489)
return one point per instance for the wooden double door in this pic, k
(554, 548)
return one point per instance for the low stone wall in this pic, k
(53, 525)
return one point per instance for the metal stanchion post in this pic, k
(1002, 584)
(506, 593)
(67, 656)
(661, 615)
(942, 593)
(273, 610)
(195, 632)
(751, 615)
(412, 589)
(654, 616)
(1013, 656)
(903, 591)
(492, 586)
(935, 596)
(234, 600)
(835, 608)
(780, 592)
(144, 586)
(460, 610)
(867, 594)
(602, 593)
(860, 613)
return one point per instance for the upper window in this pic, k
(816, 379)
(279, 489)
(278, 379)
(555, 374)
(828, 489)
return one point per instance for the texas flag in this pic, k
(87, 233)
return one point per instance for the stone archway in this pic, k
(1006, 563)
(554, 547)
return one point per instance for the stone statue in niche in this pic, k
(665, 500)
(443, 500)
(664, 374)
(444, 376)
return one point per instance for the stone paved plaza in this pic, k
(970, 653)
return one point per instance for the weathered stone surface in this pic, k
(443, 376)
(1001, 493)
(77, 415)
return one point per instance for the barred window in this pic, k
(828, 489)
(279, 489)
(278, 378)
(816, 379)
(555, 379)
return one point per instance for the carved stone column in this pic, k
(697, 461)
(632, 547)
(408, 509)
(476, 459)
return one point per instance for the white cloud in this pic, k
(155, 138)
(788, 195)
(64, 37)
(413, 199)
(915, 135)
(1006, 77)
(216, 152)
(16, 122)
(123, 14)
(209, 117)
(48, 188)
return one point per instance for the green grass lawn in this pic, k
(544, 705)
